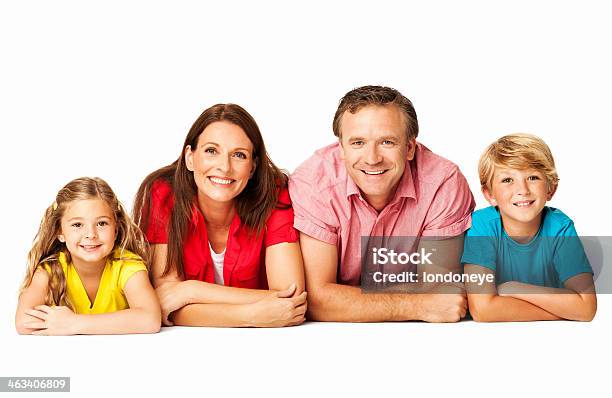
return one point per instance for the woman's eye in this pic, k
(240, 155)
(210, 150)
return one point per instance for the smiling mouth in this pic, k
(524, 203)
(221, 181)
(90, 248)
(373, 172)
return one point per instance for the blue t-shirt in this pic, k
(554, 255)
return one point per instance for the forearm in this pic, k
(128, 321)
(341, 303)
(219, 315)
(209, 293)
(506, 309)
(564, 303)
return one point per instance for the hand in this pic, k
(52, 321)
(443, 307)
(283, 308)
(172, 296)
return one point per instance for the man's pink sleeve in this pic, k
(312, 209)
(450, 213)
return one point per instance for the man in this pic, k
(376, 181)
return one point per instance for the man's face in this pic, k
(375, 149)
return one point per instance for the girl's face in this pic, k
(222, 162)
(88, 228)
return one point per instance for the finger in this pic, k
(35, 325)
(40, 332)
(298, 320)
(165, 319)
(299, 300)
(44, 308)
(300, 310)
(37, 314)
(287, 292)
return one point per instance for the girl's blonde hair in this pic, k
(518, 151)
(46, 246)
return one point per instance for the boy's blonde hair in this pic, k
(519, 151)
(46, 247)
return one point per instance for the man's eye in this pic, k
(388, 142)
(357, 143)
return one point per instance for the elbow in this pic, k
(152, 326)
(151, 323)
(22, 330)
(587, 314)
(480, 312)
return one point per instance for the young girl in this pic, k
(86, 273)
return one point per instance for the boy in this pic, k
(540, 268)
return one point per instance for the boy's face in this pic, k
(520, 195)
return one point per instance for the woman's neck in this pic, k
(217, 214)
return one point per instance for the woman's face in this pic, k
(222, 162)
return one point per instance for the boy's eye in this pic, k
(77, 225)
(533, 178)
(506, 180)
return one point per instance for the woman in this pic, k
(220, 224)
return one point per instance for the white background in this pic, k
(111, 88)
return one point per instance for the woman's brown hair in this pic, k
(253, 205)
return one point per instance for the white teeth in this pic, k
(220, 181)
(373, 173)
(523, 204)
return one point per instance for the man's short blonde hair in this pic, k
(517, 151)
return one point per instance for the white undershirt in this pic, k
(218, 262)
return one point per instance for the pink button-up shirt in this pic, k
(433, 199)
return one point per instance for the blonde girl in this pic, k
(87, 269)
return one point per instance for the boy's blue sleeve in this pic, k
(480, 244)
(569, 257)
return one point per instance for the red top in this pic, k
(244, 262)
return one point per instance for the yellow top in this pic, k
(110, 296)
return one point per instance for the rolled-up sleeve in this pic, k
(311, 207)
(450, 211)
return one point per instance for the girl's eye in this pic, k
(102, 223)
(240, 155)
(210, 150)
(77, 225)
(506, 180)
